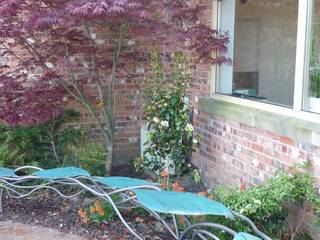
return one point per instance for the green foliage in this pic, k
(168, 115)
(98, 212)
(260, 201)
(268, 205)
(43, 145)
(196, 176)
(138, 212)
(21, 146)
(52, 144)
(91, 156)
(138, 164)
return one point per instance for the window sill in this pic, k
(287, 123)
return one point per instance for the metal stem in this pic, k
(211, 225)
(1, 200)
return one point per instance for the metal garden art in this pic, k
(134, 193)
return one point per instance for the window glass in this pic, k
(312, 90)
(263, 48)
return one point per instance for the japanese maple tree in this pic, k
(57, 50)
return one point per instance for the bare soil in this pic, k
(50, 210)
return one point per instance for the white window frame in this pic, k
(304, 16)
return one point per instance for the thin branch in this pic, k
(116, 58)
(10, 51)
(102, 92)
(82, 99)
(53, 145)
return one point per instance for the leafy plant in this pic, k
(88, 155)
(270, 205)
(170, 139)
(42, 145)
(21, 146)
(98, 212)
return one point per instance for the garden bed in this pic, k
(50, 210)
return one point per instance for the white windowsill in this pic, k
(285, 111)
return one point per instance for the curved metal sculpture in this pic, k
(136, 192)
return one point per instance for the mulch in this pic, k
(50, 210)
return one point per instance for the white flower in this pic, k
(164, 123)
(195, 141)
(31, 40)
(131, 42)
(49, 65)
(189, 127)
(156, 120)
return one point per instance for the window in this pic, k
(275, 47)
(312, 90)
(263, 48)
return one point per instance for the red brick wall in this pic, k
(127, 142)
(127, 138)
(232, 152)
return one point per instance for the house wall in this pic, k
(233, 152)
(234, 149)
(243, 145)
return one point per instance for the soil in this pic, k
(50, 210)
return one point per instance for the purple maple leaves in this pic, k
(55, 41)
(108, 8)
(29, 104)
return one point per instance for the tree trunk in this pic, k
(109, 158)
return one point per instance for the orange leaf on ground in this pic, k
(204, 194)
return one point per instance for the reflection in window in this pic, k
(263, 48)
(312, 91)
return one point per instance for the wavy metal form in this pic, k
(21, 187)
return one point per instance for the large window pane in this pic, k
(263, 48)
(312, 89)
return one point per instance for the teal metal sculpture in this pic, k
(60, 173)
(123, 182)
(6, 172)
(181, 203)
(136, 193)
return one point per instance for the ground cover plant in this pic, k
(67, 50)
(50, 145)
(279, 206)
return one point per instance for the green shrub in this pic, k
(43, 145)
(98, 212)
(24, 146)
(170, 138)
(88, 155)
(269, 205)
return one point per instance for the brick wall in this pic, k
(127, 142)
(232, 152)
